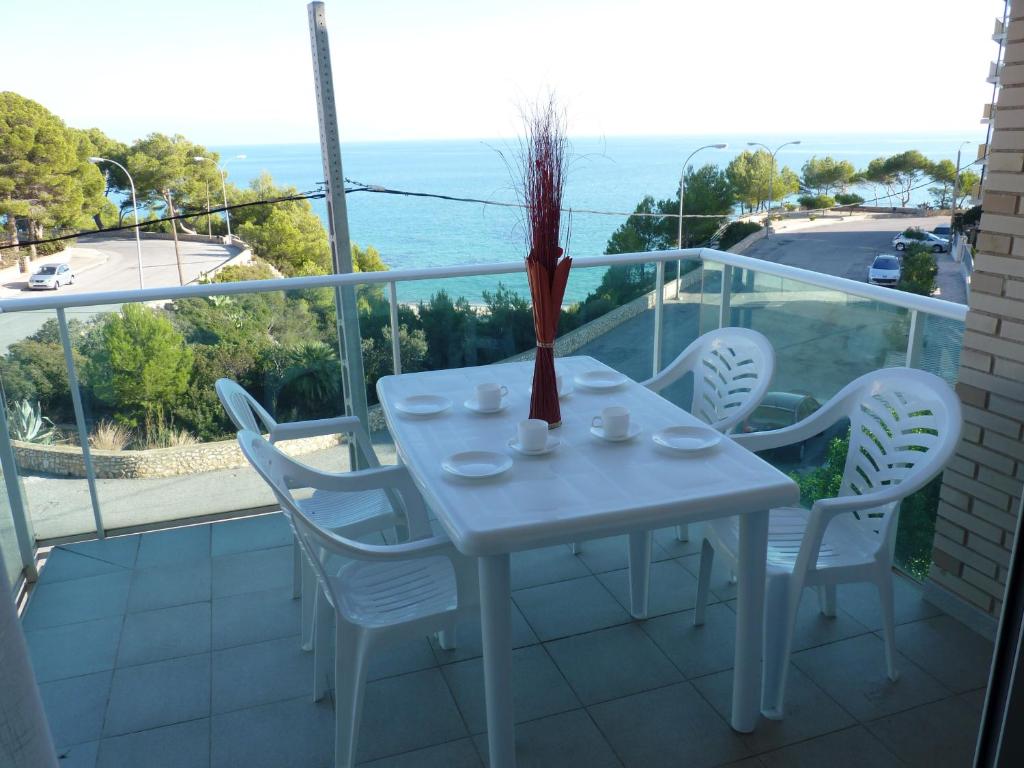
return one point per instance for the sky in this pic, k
(240, 72)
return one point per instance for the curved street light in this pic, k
(771, 176)
(223, 185)
(682, 194)
(135, 208)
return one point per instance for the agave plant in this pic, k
(27, 423)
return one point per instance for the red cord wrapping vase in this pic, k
(547, 288)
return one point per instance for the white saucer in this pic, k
(552, 443)
(474, 406)
(423, 405)
(601, 380)
(688, 439)
(476, 464)
(634, 430)
(566, 390)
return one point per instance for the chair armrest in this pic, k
(775, 438)
(294, 430)
(394, 477)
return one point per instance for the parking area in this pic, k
(846, 248)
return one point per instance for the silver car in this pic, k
(50, 277)
(885, 270)
(911, 236)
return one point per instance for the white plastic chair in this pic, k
(904, 427)
(380, 594)
(732, 368)
(352, 510)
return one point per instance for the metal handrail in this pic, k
(909, 301)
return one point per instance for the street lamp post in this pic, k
(771, 177)
(956, 184)
(682, 194)
(223, 184)
(135, 209)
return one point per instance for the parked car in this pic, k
(782, 409)
(885, 270)
(943, 230)
(911, 236)
(50, 277)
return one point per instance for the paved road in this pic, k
(119, 269)
(105, 263)
(846, 248)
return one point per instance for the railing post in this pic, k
(83, 430)
(725, 308)
(659, 313)
(22, 524)
(396, 344)
(915, 339)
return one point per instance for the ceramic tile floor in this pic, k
(180, 648)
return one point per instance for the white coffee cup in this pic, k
(488, 396)
(533, 434)
(614, 421)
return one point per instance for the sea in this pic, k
(606, 174)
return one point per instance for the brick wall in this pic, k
(982, 486)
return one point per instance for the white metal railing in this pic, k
(915, 305)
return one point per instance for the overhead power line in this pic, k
(378, 189)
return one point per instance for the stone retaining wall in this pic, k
(66, 460)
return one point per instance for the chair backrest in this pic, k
(242, 408)
(904, 428)
(732, 368)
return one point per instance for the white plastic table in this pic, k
(586, 488)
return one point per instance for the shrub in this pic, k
(141, 366)
(110, 436)
(236, 273)
(848, 198)
(914, 233)
(919, 270)
(164, 435)
(814, 202)
(735, 232)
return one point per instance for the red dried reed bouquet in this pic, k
(543, 159)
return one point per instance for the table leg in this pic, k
(639, 573)
(496, 625)
(746, 684)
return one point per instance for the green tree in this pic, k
(289, 235)
(167, 174)
(826, 175)
(708, 191)
(643, 231)
(878, 174)
(943, 173)
(46, 179)
(969, 181)
(899, 174)
(142, 366)
(753, 174)
(919, 270)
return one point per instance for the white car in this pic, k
(885, 270)
(911, 236)
(50, 277)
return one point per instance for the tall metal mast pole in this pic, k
(346, 308)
